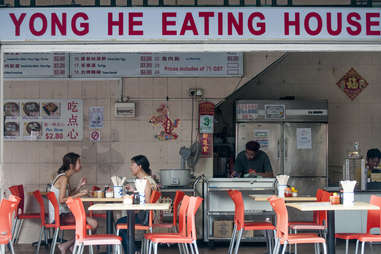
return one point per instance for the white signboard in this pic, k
(36, 65)
(44, 119)
(156, 64)
(96, 117)
(303, 138)
(205, 24)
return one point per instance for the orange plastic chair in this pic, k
(191, 234)
(240, 225)
(282, 235)
(57, 223)
(155, 195)
(7, 208)
(373, 221)
(18, 191)
(81, 237)
(176, 202)
(182, 225)
(44, 225)
(319, 222)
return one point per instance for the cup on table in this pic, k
(118, 191)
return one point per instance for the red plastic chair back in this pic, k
(175, 206)
(18, 190)
(373, 220)
(76, 207)
(6, 211)
(183, 214)
(155, 195)
(52, 198)
(239, 211)
(194, 204)
(40, 200)
(280, 209)
(321, 216)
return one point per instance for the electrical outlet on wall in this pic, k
(195, 92)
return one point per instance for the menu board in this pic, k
(43, 120)
(35, 65)
(156, 64)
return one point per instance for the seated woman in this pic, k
(62, 190)
(141, 170)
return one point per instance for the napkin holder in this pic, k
(348, 192)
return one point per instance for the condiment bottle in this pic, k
(136, 200)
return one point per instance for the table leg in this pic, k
(109, 228)
(331, 231)
(131, 231)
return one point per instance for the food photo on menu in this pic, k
(50, 109)
(11, 109)
(11, 129)
(31, 109)
(32, 129)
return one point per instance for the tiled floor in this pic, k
(204, 249)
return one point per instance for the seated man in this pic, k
(252, 162)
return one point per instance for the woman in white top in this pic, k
(61, 187)
(140, 168)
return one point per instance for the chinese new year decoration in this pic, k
(162, 119)
(352, 83)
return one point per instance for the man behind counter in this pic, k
(373, 159)
(252, 162)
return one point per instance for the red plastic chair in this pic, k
(240, 225)
(18, 191)
(7, 208)
(282, 235)
(176, 202)
(44, 225)
(155, 195)
(319, 222)
(57, 223)
(191, 234)
(81, 237)
(373, 221)
(182, 224)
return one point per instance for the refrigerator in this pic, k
(294, 134)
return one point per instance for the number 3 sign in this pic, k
(206, 112)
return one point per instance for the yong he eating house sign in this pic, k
(210, 25)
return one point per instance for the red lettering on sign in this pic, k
(83, 25)
(288, 23)
(118, 23)
(261, 25)
(17, 22)
(57, 23)
(307, 20)
(206, 16)
(220, 24)
(370, 23)
(339, 24)
(233, 22)
(355, 23)
(132, 22)
(44, 26)
(166, 23)
(191, 26)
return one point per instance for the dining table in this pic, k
(261, 197)
(331, 208)
(131, 209)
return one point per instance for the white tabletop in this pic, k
(325, 206)
(287, 199)
(87, 199)
(121, 207)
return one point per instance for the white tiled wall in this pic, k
(33, 163)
